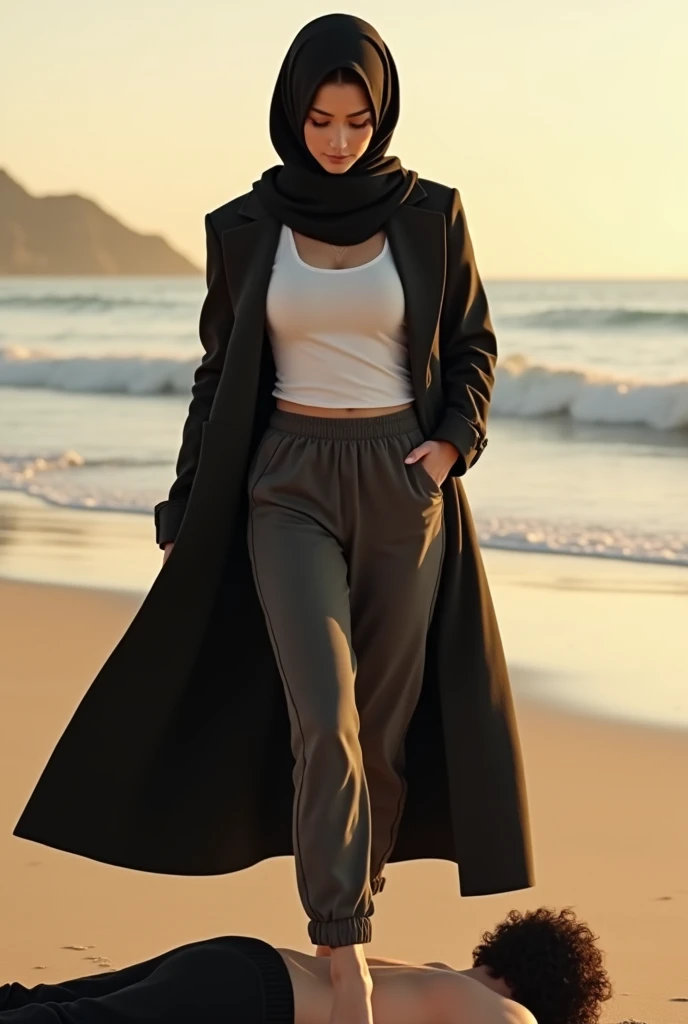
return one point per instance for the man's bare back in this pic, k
(542, 959)
(403, 994)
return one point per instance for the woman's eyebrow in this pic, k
(316, 110)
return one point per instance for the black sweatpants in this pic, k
(346, 542)
(230, 980)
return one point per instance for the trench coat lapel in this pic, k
(249, 255)
(418, 243)
(249, 252)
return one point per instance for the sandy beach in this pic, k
(607, 795)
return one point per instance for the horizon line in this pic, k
(498, 279)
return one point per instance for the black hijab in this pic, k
(342, 209)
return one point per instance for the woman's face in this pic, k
(339, 126)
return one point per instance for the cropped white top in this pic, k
(338, 336)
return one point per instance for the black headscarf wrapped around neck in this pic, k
(342, 209)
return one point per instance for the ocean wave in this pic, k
(17, 470)
(116, 375)
(576, 318)
(523, 389)
(63, 479)
(88, 303)
(527, 390)
(580, 539)
(20, 468)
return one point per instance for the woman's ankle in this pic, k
(348, 962)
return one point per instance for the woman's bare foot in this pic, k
(352, 986)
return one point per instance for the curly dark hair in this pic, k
(551, 963)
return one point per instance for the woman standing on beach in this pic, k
(345, 388)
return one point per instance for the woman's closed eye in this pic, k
(324, 124)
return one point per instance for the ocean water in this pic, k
(588, 449)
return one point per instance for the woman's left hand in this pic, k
(437, 457)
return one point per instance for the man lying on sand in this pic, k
(537, 968)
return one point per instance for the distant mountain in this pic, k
(71, 235)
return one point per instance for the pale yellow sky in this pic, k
(564, 123)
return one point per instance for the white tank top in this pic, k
(337, 336)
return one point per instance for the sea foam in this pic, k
(57, 480)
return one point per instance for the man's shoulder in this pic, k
(462, 1000)
(519, 1014)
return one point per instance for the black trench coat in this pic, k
(178, 758)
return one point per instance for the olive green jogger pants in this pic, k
(346, 543)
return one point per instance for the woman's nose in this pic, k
(339, 140)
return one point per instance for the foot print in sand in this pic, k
(679, 999)
(40, 967)
(104, 962)
(101, 961)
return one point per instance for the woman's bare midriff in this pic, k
(339, 414)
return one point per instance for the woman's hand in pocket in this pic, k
(168, 551)
(437, 457)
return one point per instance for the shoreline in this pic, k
(31, 505)
(11, 497)
(591, 635)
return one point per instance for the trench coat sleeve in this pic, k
(216, 321)
(468, 347)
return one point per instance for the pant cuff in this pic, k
(348, 932)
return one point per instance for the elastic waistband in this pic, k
(365, 428)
